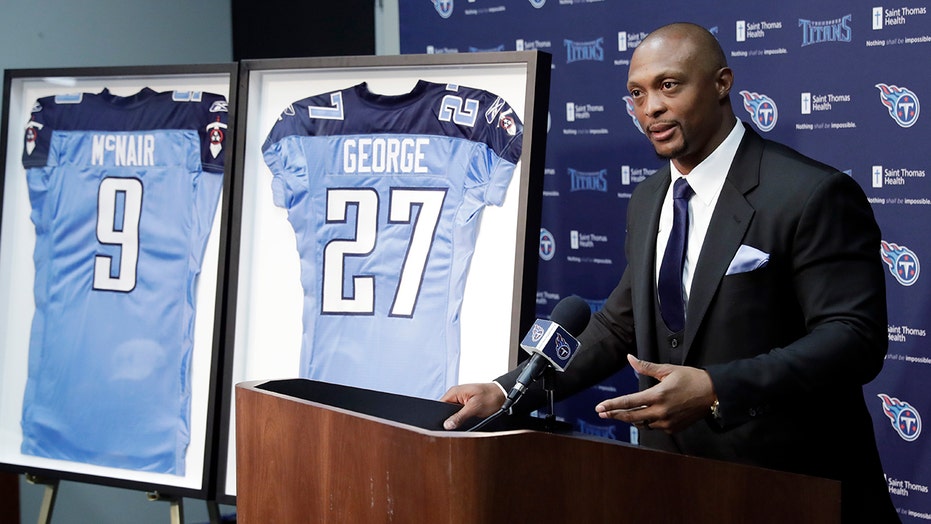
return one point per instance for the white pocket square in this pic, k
(748, 258)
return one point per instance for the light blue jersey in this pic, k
(385, 195)
(123, 193)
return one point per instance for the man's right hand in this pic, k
(478, 400)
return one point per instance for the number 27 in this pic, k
(401, 203)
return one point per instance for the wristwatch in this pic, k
(715, 412)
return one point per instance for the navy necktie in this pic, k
(669, 286)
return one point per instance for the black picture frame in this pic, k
(17, 239)
(257, 351)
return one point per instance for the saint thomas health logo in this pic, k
(902, 261)
(762, 108)
(904, 418)
(901, 102)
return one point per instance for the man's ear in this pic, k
(724, 80)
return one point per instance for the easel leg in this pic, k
(48, 498)
(213, 512)
(176, 508)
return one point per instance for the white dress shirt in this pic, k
(706, 179)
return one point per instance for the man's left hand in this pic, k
(683, 396)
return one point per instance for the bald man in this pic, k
(781, 293)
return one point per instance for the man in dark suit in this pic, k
(782, 291)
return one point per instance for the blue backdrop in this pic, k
(841, 81)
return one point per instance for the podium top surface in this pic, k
(421, 413)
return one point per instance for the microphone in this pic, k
(551, 344)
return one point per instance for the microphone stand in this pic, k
(549, 421)
(549, 387)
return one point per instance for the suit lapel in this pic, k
(727, 229)
(642, 228)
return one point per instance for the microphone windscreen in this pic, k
(573, 314)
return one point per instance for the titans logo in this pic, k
(817, 32)
(596, 430)
(577, 51)
(902, 262)
(32, 134)
(563, 351)
(762, 109)
(216, 132)
(443, 7)
(508, 123)
(629, 102)
(588, 180)
(901, 102)
(536, 332)
(904, 418)
(547, 245)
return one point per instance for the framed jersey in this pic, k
(389, 221)
(111, 272)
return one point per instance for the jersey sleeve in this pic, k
(38, 134)
(503, 134)
(214, 125)
(284, 157)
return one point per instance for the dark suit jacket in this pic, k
(788, 346)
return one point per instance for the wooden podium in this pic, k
(314, 452)
(9, 498)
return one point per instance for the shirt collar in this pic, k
(707, 178)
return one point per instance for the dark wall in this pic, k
(282, 29)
